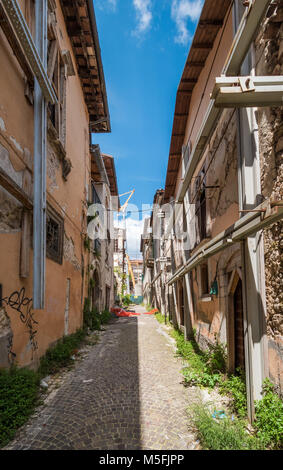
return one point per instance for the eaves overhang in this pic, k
(82, 30)
(211, 21)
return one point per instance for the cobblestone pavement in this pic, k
(125, 394)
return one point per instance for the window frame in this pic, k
(55, 217)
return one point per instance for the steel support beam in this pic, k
(243, 228)
(246, 92)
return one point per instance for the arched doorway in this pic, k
(236, 341)
(181, 306)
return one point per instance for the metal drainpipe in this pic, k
(40, 126)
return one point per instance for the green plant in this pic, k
(269, 417)
(217, 357)
(159, 317)
(126, 300)
(235, 387)
(59, 355)
(91, 317)
(87, 243)
(222, 434)
(91, 283)
(105, 317)
(200, 378)
(19, 394)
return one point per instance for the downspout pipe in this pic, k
(40, 137)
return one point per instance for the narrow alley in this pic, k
(141, 225)
(126, 394)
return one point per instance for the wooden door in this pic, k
(239, 327)
(181, 303)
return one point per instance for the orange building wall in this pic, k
(66, 197)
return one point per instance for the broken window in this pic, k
(56, 112)
(204, 280)
(57, 73)
(54, 235)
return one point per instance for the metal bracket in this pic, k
(246, 84)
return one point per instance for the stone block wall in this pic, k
(269, 61)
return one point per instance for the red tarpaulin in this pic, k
(120, 312)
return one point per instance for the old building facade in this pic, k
(103, 204)
(120, 262)
(52, 97)
(221, 229)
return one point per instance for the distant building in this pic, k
(104, 194)
(137, 268)
(120, 269)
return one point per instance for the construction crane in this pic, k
(131, 271)
(123, 211)
(125, 205)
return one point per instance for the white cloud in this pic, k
(134, 227)
(181, 11)
(144, 15)
(113, 4)
(110, 4)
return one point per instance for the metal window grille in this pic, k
(54, 236)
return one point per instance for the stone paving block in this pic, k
(135, 401)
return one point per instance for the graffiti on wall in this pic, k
(23, 306)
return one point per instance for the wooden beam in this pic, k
(192, 63)
(185, 92)
(193, 81)
(202, 45)
(210, 23)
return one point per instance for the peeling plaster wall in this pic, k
(6, 339)
(269, 60)
(209, 317)
(10, 208)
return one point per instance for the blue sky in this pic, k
(144, 45)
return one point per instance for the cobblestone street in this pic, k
(125, 394)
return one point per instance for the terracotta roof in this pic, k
(82, 30)
(210, 22)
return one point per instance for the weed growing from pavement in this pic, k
(19, 395)
(20, 388)
(269, 417)
(208, 369)
(61, 354)
(222, 434)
